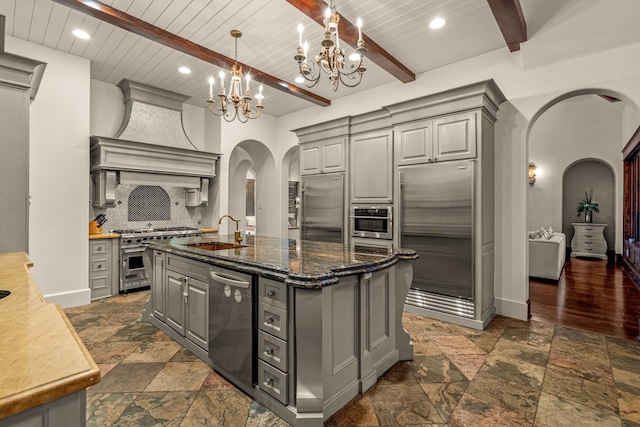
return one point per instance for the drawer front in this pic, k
(272, 381)
(272, 350)
(99, 247)
(273, 292)
(100, 283)
(272, 320)
(188, 267)
(594, 245)
(100, 265)
(588, 232)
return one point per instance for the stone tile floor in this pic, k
(514, 373)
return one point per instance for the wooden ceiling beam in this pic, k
(315, 9)
(510, 19)
(144, 29)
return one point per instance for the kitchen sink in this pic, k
(215, 246)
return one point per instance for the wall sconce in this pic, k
(532, 174)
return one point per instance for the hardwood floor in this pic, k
(591, 295)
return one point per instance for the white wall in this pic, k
(58, 171)
(582, 127)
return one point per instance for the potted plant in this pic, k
(588, 205)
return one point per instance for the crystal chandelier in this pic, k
(242, 109)
(331, 58)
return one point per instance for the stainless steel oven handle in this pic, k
(371, 217)
(133, 250)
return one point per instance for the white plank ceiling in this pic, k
(268, 43)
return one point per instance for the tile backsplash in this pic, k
(144, 206)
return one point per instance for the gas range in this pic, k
(135, 261)
(140, 235)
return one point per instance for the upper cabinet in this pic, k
(371, 169)
(323, 156)
(323, 147)
(451, 137)
(454, 137)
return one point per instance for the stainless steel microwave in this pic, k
(375, 221)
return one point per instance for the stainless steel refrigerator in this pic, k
(323, 207)
(436, 202)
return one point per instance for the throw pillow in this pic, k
(547, 232)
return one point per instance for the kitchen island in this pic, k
(301, 326)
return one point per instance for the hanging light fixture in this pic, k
(331, 59)
(241, 104)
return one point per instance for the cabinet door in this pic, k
(333, 158)
(175, 304)
(455, 137)
(413, 143)
(158, 296)
(197, 325)
(310, 159)
(371, 167)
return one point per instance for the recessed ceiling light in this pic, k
(81, 34)
(437, 23)
(184, 70)
(299, 79)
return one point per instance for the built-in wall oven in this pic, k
(372, 221)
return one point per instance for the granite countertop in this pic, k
(302, 263)
(42, 356)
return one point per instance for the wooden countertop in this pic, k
(93, 236)
(41, 355)
(300, 263)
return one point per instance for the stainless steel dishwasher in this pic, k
(231, 326)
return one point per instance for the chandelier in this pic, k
(331, 58)
(241, 104)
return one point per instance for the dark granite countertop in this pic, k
(301, 263)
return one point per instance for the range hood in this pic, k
(150, 148)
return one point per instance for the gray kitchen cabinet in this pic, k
(19, 81)
(371, 167)
(323, 156)
(103, 268)
(158, 285)
(273, 348)
(187, 299)
(454, 137)
(451, 137)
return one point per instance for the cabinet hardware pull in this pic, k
(588, 235)
(269, 352)
(588, 249)
(588, 228)
(99, 265)
(270, 382)
(588, 243)
(271, 293)
(269, 320)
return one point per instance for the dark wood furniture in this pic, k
(631, 208)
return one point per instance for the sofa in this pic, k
(546, 256)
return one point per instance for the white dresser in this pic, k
(588, 240)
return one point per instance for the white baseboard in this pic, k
(71, 298)
(515, 309)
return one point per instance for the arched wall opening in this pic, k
(590, 178)
(251, 155)
(289, 172)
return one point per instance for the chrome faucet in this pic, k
(236, 235)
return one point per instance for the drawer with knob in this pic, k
(273, 292)
(272, 320)
(272, 350)
(272, 381)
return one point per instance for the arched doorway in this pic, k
(253, 159)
